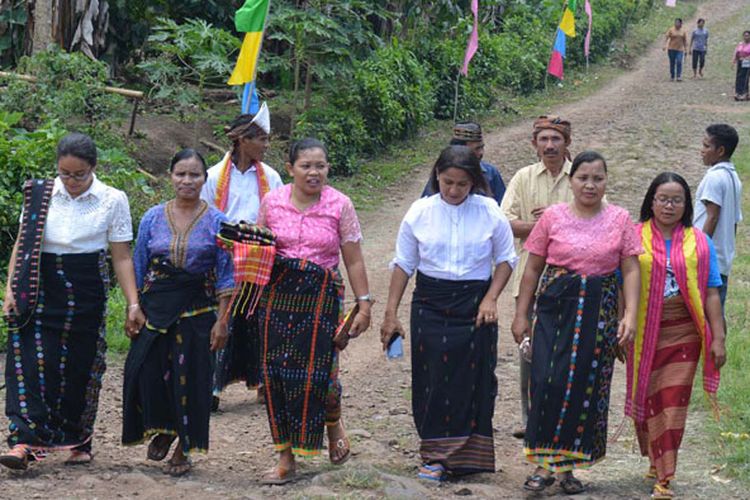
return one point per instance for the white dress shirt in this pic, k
(454, 242)
(87, 223)
(243, 202)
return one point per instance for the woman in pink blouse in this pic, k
(742, 60)
(576, 330)
(300, 308)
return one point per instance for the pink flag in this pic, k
(471, 48)
(555, 66)
(587, 42)
(671, 3)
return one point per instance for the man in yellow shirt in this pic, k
(531, 190)
(676, 45)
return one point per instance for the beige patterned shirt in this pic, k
(530, 188)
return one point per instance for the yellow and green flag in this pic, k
(251, 20)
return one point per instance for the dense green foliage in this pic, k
(68, 96)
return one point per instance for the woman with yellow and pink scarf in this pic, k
(679, 319)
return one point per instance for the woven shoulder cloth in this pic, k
(26, 274)
(253, 250)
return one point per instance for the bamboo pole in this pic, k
(136, 95)
(131, 94)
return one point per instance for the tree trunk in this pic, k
(308, 84)
(43, 15)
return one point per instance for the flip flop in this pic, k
(159, 446)
(278, 476)
(340, 447)
(432, 472)
(662, 492)
(78, 457)
(571, 485)
(537, 482)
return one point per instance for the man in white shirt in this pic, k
(235, 186)
(720, 197)
(531, 190)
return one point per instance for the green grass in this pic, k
(727, 440)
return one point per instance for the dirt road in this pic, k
(643, 124)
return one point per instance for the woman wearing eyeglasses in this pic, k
(678, 318)
(55, 306)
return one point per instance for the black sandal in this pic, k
(571, 485)
(537, 482)
(159, 446)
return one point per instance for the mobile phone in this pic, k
(395, 346)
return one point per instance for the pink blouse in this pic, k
(318, 232)
(585, 246)
(741, 52)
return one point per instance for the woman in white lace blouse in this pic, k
(55, 305)
(460, 245)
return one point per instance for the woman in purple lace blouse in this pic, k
(185, 282)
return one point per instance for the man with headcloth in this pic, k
(235, 186)
(531, 190)
(469, 134)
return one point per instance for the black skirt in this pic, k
(453, 374)
(56, 361)
(168, 375)
(575, 334)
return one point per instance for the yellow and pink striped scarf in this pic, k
(690, 262)
(222, 187)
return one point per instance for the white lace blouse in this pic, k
(454, 242)
(88, 223)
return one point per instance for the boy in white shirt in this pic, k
(720, 196)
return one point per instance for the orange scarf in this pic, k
(222, 187)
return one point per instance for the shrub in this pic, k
(343, 132)
(69, 90)
(394, 93)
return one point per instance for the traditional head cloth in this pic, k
(261, 120)
(469, 132)
(552, 123)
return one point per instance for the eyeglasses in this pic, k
(664, 201)
(80, 176)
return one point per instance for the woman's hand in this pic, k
(361, 322)
(9, 304)
(391, 325)
(520, 328)
(718, 352)
(487, 312)
(626, 330)
(219, 335)
(135, 321)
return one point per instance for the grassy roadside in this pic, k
(732, 440)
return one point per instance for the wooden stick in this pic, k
(212, 146)
(131, 94)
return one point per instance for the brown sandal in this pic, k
(339, 450)
(17, 458)
(278, 476)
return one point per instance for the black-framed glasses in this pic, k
(79, 176)
(675, 202)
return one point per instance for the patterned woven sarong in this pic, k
(575, 333)
(453, 375)
(298, 315)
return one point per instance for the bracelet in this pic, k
(133, 306)
(364, 298)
